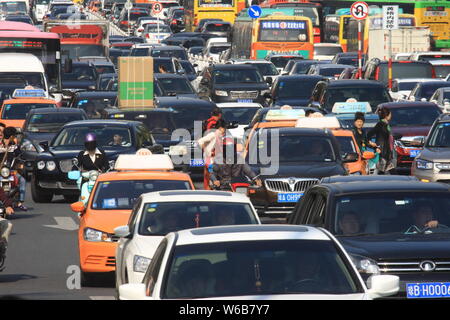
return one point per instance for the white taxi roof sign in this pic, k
(318, 123)
(29, 93)
(351, 107)
(287, 114)
(143, 162)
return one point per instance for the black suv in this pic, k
(233, 83)
(389, 225)
(328, 92)
(289, 161)
(377, 69)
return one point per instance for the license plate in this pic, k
(245, 100)
(414, 153)
(197, 162)
(428, 290)
(289, 197)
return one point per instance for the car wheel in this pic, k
(71, 198)
(39, 194)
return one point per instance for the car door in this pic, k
(154, 270)
(302, 208)
(316, 212)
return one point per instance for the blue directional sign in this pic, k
(254, 12)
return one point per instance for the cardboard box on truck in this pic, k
(405, 39)
(135, 82)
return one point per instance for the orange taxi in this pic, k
(111, 202)
(14, 111)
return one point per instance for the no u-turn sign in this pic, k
(359, 10)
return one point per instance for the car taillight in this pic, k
(174, 21)
(147, 36)
(140, 29)
(433, 72)
(377, 73)
(123, 22)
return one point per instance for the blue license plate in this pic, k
(289, 197)
(428, 290)
(414, 153)
(197, 163)
(245, 100)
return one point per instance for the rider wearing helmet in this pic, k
(229, 164)
(92, 158)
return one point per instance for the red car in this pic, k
(410, 119)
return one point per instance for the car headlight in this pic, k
(140, 264)
(365, 265)
(50, 165)
(424, 165)
(5, 172)
(41, 165)
(442, 166)
(221, 93)
(27, 145)
(96, 235)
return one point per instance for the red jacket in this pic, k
(211, 123)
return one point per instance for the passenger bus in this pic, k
(275, 33)
(303, 8)
(20, 37)
(373, 22)
(333, 27)
(196, 10)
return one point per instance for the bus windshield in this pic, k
(216, 3)
(283, 31)
(13, 7)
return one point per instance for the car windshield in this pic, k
(427, 90)
(13, 6)
(164, 217)
(105, 69)
(373, 95)
(21, 79)
(180, 54)
(156, 122)
(266, 69)
(85, 73)
(19, 111)
(75, 136)
(50, 122)
(413, 116)
(239, 115)
(258, 268)
(42, 1)
(302, 67)
(176, 86)
(392, 212)
(237, 76)
(440, 137)
(94, 106)
(154, 28)
(24, 19)
(405, 71)
(346, 145)
(406, 85)
(290, 89)
(109, 195)
(81, 50)
(352, 61)
(188, 67)
(442, 71)
(331, 72)
(136, 15)
(280, 62)
(290, 148)
(327, 51)
(218, 49)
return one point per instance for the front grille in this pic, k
(290, 184)
(66, 165)
(244, 94)
(396, 266)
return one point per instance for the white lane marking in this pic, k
(64, 223)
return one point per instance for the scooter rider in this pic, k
(92, 158)
(228, 165)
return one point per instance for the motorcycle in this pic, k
(237, 184)
(5, 230)
(88, 177)
(9, 181)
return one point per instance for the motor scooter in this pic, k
(89, 178)
(5, 230)
(9, 182)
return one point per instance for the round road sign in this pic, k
(359, 10)
(157, 7)
(128, 5)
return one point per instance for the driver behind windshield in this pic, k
(423, 216)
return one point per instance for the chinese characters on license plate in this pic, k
(197, 163)
(428, 290)
(289, 197)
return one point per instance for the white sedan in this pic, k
(255, 263)
(158, 213)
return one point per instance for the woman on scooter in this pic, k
(92, 158)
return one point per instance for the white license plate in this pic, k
(428, 290)
(289, 197)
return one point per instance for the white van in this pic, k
(18, 70)
(41, 8)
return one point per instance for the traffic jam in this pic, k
(224, 149)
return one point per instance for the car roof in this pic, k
(354, 83)
(169, 76)
(386, 186)
(29, 100)
(194, 195)
(239, 105)
(415, 80)
(177, 48)
(57, 110)
(93, 94)
(333, 65)
(347, 179)
(300, 77)
(143, 175)
(167, 102)
(249, 233)
(302, 131)
(434, 82)
(139, 110)
(103, 122)
(234, 66)
(412, 104)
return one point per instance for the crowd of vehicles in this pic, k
(285, 93)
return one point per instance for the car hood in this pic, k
(36, 137)
(107, 220)
(435, 154)
(411, 131)
(398, 246)
(164, 139)
(293, 102)
(242, 86)
(303, 170)
(146, 245)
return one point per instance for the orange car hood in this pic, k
(107, 220)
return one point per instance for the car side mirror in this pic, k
(418, 142)
(44, 145)
(53, 89)
(383, 285)
(350, 157)
(269, 81)
(122, 232)
(77, 207)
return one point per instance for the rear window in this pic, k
(330, 72)
(405, 71)
(328, 51)
(218, 27)
(413, 116)
(180, 54)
